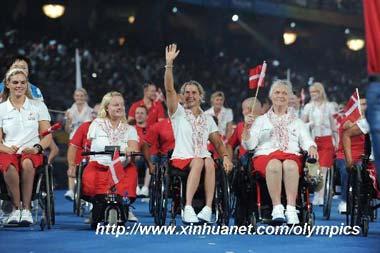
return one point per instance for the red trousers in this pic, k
(96, 180)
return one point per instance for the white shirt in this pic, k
(184, 135)
(364, 127)
(101, 134)
(21, 128)
(263, 141)
(225, 116)
(320, 118)
(79, 117)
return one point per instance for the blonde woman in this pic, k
(277, 138)
(110, 128)
(77, 114)
(224, 115)
(21, 118)
(318, 114)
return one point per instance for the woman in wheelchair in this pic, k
(21, 120)
(192, 128)
(110, 128)
(277, 138)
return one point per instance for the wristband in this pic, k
(39, 147)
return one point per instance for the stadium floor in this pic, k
(70, 234)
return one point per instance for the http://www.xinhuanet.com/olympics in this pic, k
(208, 229)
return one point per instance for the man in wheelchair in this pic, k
(110, 128)
(277, 138)
(22, 119)
(192, 128)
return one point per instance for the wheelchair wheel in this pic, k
(51, 176)
(152, 193)
(78, 192)
(365, 226)
(161, 195)
(328, 193)
(373, 214)
(48, 198)
(353, 197)
(223, 197)
(253, 222)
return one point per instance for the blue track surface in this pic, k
(70, 234)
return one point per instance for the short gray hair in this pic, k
(202, 92)
(281, 82)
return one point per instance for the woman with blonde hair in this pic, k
(318, 115)
(21, 118)
(110, 128)
(76, 115)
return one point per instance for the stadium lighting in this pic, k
(235, 18)
(289, 37)
(175, 9)
(131, 19)
(355, 44)
(293, 24)
(53, 10)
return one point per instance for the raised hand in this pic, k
(171, 53)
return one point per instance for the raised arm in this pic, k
(171, 95)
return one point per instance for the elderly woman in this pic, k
(110, 128)
(277, 138)
(21, 120)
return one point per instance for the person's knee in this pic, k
(209, 165)
(274, 166)
(290, 166)
(27, 166)
(197, 164)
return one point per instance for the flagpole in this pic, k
(359, 106)
(261, 79)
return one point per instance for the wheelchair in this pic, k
(170, 183)
(110, 208)
(80, 206)
(43, 209)
(331, 182)
(253, 203)
(361, 195)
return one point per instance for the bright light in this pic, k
(235, 18)
(53, 10)
(289, 37)
(276, 63)
(347, 31)
(131, 19)
(293, 24)
(174, 10)
(355, 44)
(94, 75)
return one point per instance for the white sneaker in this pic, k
(278, 213)
(342, 208)
(189, 215)
(138, 191)
(144, 191)
(205, 214)
(69, 195)
(291, 215)
(317, 200)
(132, 217)
(26, 217)
(14, 217)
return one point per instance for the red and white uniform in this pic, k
(191, 135)
(80, 141)
(322, 126)
(224, 117)
(160, 137)
(357, 145)
(18, 127)
(364, 127)
(155, 112)
(278, 137)
(96, 175)
(236, 140)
